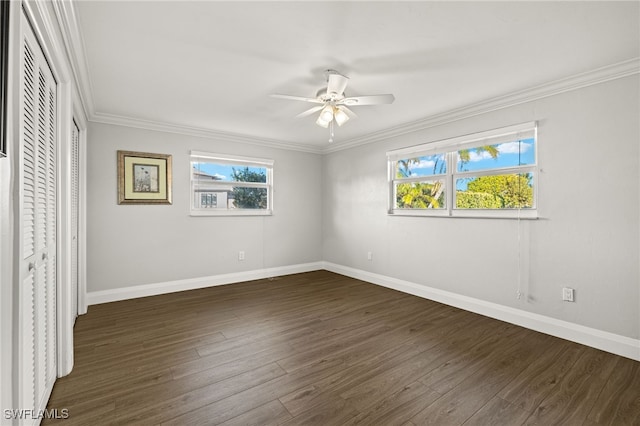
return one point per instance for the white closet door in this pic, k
(36, 225)
(75, 205)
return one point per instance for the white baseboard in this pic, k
(124, 293)
(609, 342)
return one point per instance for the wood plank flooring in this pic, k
(323, 349)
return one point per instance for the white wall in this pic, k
(132, 245)
(332, 208)
(587, 236)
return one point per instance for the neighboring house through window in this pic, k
(230, 185)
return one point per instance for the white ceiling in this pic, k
(210, 65)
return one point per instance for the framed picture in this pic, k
(4, 61)
(144, 178)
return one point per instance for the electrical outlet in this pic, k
(241, 255)
(568, 294)
(369, 256)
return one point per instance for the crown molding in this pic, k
(578, 81)
(117, 120)
(74, 45)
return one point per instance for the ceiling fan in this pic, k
(333, 104)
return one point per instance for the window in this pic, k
(488, 174)
(226, 185)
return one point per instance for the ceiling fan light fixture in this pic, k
(340, 116)
(326, 114)
(320, 122)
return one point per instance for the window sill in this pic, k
(469, 214)
(236, 212)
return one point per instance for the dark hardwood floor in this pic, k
(323, 349)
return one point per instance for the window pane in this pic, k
(420, 195)
(204, 171)
(238, 197)
(223, 185)
(248, 198)
(507, 154)
(427, 165)
(510, 191)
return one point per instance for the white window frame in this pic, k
(233, 160)
(449, 148)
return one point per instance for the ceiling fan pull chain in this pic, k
(331, 131)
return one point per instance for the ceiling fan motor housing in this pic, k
(329, 97)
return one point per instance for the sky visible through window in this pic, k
(225, 172)
(509, 154)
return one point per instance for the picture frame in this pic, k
(144, 178)
(4, 68)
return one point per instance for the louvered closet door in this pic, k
(37, 226)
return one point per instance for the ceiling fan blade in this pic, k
(349, 112)
(297, 98)
(336, 83)
(310, 111)
(367, 100)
